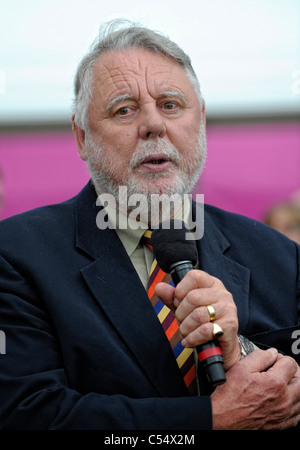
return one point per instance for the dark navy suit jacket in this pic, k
(84, 348)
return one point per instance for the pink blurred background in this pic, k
(250, 167)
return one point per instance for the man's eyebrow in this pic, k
(174, 94)
(123, 97)
(118, 99)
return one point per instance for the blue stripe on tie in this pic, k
(178, 349)
(158, 306)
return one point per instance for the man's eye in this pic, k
(123, 111)
(170, 105)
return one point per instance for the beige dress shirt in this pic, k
(141, 256)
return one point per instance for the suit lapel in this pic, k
(116, 286)
(214, 251)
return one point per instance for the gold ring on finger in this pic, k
(212, 313)
(217, 330)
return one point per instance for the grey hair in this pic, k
(112, 37)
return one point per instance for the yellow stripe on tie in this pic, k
(163, 313)
(154, 263)
(183, 356)
(147, 234)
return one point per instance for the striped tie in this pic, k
(184, 356)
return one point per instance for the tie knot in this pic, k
(147, 238)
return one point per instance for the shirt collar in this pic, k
(126, 228)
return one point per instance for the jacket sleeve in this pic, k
(35, 389)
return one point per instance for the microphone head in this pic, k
(171, 246)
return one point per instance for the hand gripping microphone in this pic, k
(177, 255)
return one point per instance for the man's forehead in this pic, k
(120, 71)
(137, 56)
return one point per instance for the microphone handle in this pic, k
(209, 354)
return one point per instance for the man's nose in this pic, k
(151, 123)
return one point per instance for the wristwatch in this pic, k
(246, 346)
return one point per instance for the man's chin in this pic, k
(157, 184)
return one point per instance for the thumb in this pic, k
(260, 360)
(166, 294)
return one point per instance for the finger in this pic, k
(166, 294)
(198, 299)
(193, 279)
(297, 374)
(191, 310)
(284, 368)
(199, 336)
(260, 360)
(203, 334)
(197, 317)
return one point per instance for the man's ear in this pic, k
(79, 134)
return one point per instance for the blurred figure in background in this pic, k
(295, 197)
(285, 217)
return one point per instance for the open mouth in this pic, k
(157, 163)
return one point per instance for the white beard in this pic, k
(106, 180)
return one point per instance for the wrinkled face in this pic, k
(146, 126)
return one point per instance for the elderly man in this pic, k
(85, 346)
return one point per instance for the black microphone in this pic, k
(177, 255)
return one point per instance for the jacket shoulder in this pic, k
(25, 232)
(226, 217)
(36, 217)
(46, 215)
(246, 231)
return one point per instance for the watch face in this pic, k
(246, 345)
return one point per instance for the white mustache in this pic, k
(153, 149)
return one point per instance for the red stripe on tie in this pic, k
(159, 277)
(172, 329)
(190, 376)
